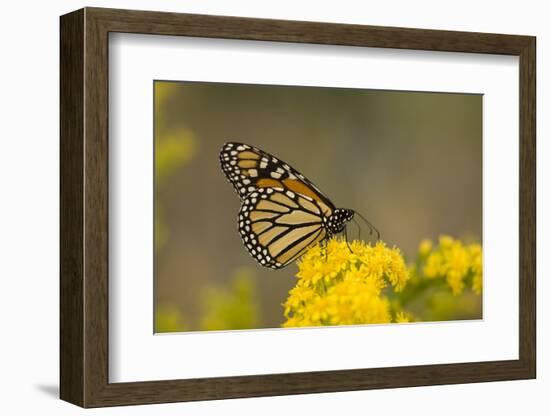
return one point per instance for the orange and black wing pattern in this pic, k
(283, 214)
(249, 169)
(278, 226)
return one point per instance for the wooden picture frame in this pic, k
(84, 207)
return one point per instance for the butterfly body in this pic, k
(336, 223)
(282, 214)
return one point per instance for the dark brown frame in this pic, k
(84, 207)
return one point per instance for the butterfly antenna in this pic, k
(372, 228)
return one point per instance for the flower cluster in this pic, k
(342, 285)
(454, 261)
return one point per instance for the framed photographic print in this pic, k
(255, 207)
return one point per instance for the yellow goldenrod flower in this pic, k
(446, 241)
(455, 261)
(339, 286)
(425, 247)
(434, 265)
(402, 317)
(477, 268)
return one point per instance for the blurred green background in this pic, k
(411, 162)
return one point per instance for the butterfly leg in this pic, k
(346, 237)
(324, 246)
(358, 229)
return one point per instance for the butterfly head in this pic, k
(338, 220)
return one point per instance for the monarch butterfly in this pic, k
(283, 213)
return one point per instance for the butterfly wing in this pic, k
(250, 169)
(278, 226)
